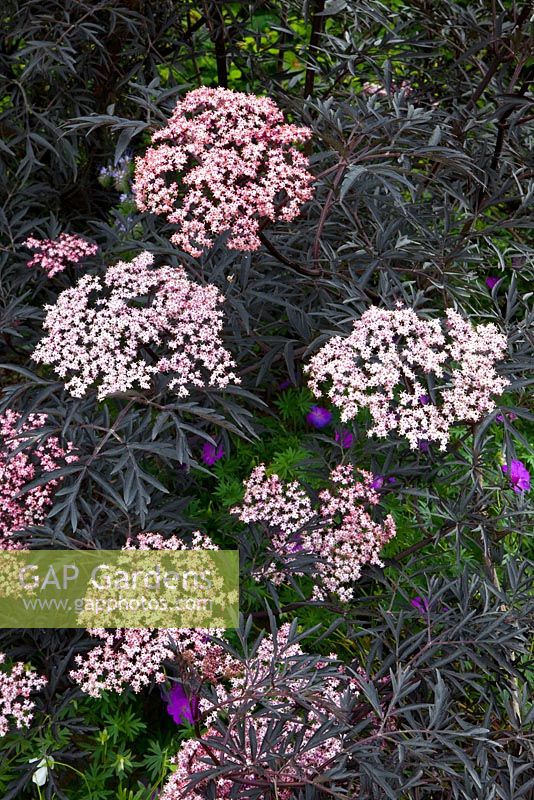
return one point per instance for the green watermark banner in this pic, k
(119, 589)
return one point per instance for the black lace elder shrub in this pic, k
(395, 209)
(439, 706)
(422, 119)
(455, 687)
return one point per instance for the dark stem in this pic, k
(316, 27)
(278, 255)
(503, 124)
(217, 34)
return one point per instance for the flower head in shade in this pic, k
(344, 438)
(519, 476)
(492, 281)
(182, 708)
(54, 255)
(136, 657)
(319, 417)
(23, 459)
(16, 685)
(211, 453)
(339, 532)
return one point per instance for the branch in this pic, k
(316, 27)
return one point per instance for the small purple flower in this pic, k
(380, 480)
(492, 281)
(518, 261)
(180, 707)
(424, 399)
(211, 454)
(344, 438)
(510, 415)
(421, 604)
(519, 476)
(319, 417)
(424, 445)
(283, 385)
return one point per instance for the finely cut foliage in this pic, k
(261, 765)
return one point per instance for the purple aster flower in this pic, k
(492, 281)
(519, 476)
(344, 438)
(211, 454)
(319, 417)
(424, 399)
(180, 707)
(421, 604)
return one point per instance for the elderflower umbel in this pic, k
(224, 162)
(106, 333)
(16, 685)
(339, 531)
(390, 360)
(54, 255)
(135, 657)
(17, 469)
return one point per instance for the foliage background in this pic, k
(420, 197)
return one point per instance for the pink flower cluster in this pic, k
(257, 684)
(54, 255)
(226, 163)
(136, 657)
(339, 531)
(416, 376)
(15, 689)
(17, 469)
(105, 333)
(270, 766)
